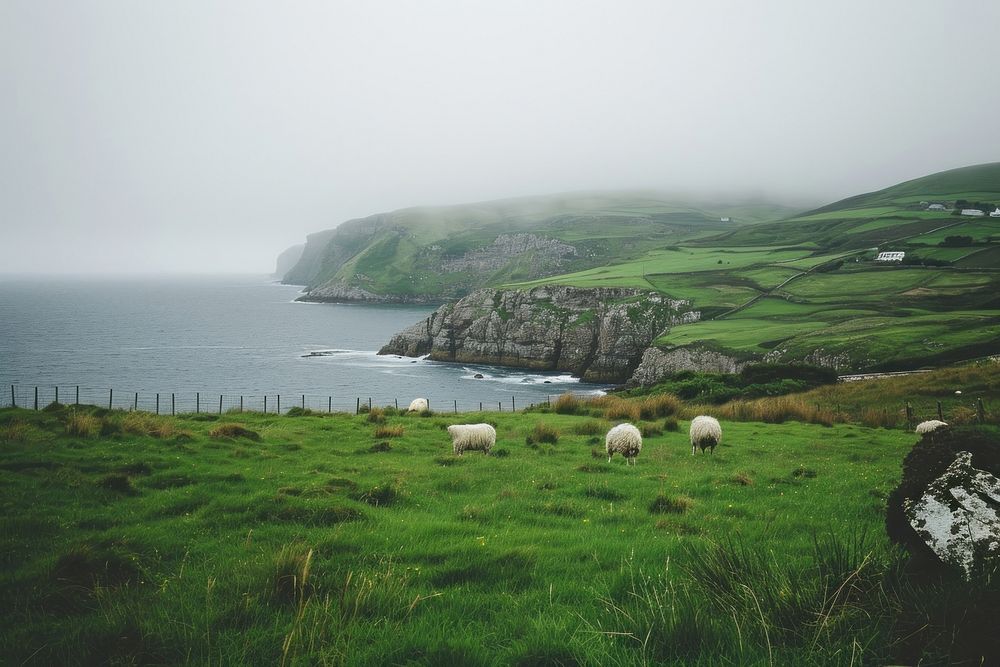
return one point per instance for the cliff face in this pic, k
(657, 364)
(597, 334)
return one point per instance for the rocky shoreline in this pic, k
(599, 334)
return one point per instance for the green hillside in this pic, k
(442, 252)
(807, 288)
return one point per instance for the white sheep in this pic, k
(473, 437)
(930, 426)
(624, 439)
(418, 405)
(705, 433)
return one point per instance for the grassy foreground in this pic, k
(342, 540)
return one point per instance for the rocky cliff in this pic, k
(597, 334)
(657, 364)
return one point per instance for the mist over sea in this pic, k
(231, 336)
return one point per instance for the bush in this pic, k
(542, 433)
(298, 411)
(223, 431)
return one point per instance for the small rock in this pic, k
(478, 376)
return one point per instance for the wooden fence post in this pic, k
(980, 410)
(173, 405)
(13, 399)
(135, 403)
(369, 404)
(265, 404)
(499, 406)
(241, 403)
(57, 393)
(111, 396)
(357, 406)
(157, 403)
(909, 414)
(940, 413)
(512, 408)
(303, 401)
(329, 404)
(279, 404)
(220, 404)
(78, 394)
(36, 398)
(396, 402)
(456, 406)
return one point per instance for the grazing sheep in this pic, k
(474, 437)
(705, 433)
(418, 405)
(930, 426)
(624, 439)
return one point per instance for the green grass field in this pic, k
(316, 540)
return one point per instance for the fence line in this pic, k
(171, 403)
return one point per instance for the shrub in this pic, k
(82, 425)
(233, 431)
(299, 411)
(670, 504)
(542, 433)
(388, 431)
(567, 404)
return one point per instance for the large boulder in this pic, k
(946, 509)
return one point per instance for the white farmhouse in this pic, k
(936, 207)
(892, 256)
(974, 212)
(996, 213)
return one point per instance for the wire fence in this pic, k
(173, 403)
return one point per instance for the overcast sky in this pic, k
(205, 136)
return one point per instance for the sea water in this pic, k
(192, 340)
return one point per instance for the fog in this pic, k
(207, 137)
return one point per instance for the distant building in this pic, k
(937, 207)
(996, 213)
(975, 212)
(727, 219)
(893, 256)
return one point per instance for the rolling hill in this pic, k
(436, 253)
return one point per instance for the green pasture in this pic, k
(313, 540)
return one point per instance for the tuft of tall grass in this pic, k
(659, 405)
(388, 432)
(591, 427)
(567, 404)
(879, 418)
(83, 425)
(290, 574)
(542, 433)
(233, 431)
(16, 430)
(670, 504)
(771, 410)
(376, 415)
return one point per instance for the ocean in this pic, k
(196, 340)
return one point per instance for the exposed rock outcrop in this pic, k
(946, 509)
(657, 364)
(597, 334)
(336, 292)
(959, 516)
(547, 253)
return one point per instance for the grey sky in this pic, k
(198, 136)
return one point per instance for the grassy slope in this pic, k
(866, 315)
(402, 252)
(415, 554)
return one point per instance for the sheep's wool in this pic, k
(624, 439)
(472, 437)
(705, 433)
(930, 426)
(418, 405)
